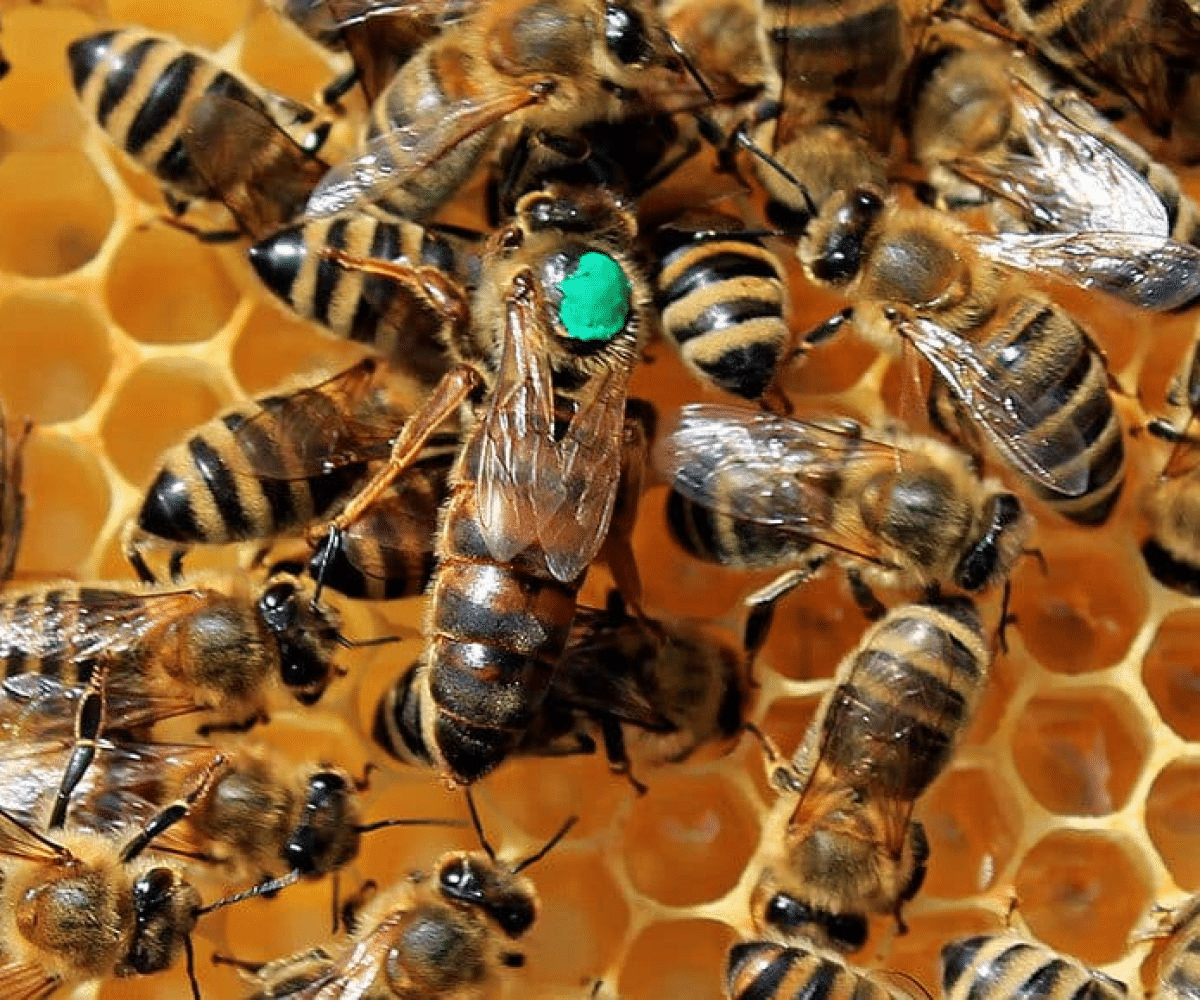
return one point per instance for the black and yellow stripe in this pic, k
(767, 970)
(1002, 965)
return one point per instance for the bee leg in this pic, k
(617, 552)
(237, 726)
(238, 963)
(512, 960)
(12, 503)
(89, 724)
(333, 93)
(872, 607)
(134, 539)
(355, 902)
(920, 858)
(614, 750)
(177, 205)
(204, 235)
(762, 609)
(783, 777)
(168, 816)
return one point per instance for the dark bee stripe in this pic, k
(462, 616)
(821, 983)
(329, 272)
(122, 76)
(162, 103)
(870, 30)
(992, 971)
(746, 370)
(468, 676)
(221, 486)
(253, 439)
(892, 673)
(377, 292)
(723, 315)
(16, 657)
(85, 54)
(766, 984)
(1043, 982)
(713, 268)
(957, 957)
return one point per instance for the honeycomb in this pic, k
(1077, 788)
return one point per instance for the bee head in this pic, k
(837, 248)
(164, 907)
(306, 634)
(1003, 528)
(326, 837)
(475, 880)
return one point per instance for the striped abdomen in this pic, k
(1179, 976)
(141, 89)
(1073, 425)
(904, 697)
(1002, 965)
(495, 633)
(766, 970)
(723, 301)
(397, 319)
(208, 492)
(730, 541)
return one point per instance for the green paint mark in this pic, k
(595, 299)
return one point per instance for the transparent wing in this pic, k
(407, 148)
(1150, 272)
(327, 16)
(17, 840)
(353, 975)
(997, 406)
(37, 707)
(1067, 178)
(26, 981)
(517, 458)
(341, 421)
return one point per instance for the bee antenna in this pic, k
(743, 139)
(909, 978)
(550, 844)
(483, 841)
(323, 558)
(262, 889)
(189, 952)
(692, 71)
(382, 640)
(383, 823)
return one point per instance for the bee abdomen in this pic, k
(765, 970)
(1181, 981)
(35, 629)
(726, 540)
(1005, 966)
(399, 721)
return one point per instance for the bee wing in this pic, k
(316, 430)
(26, 981)
(402, 524)
(326, 16)
(33, 706)
(1068, 179)
(17, 840)
(393, 157)
(1003, 414)
(763, 468)
(352, 975)
(12, 499)
(517, 459)
(263, 176)
(1150, 272)
(29, 774)
(574, 524)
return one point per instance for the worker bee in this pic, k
(445, 934)
(12, 499)
(275, 465)
(849, 846)
(551, 65)
(668, 684)
(751, 489)
(1179, 967)
(557, 325)
(722, 39)
(998, 964)
(768, 970)
(164, 105)
(407, 316)
(84, 652)
(992, 127)
(73, 912)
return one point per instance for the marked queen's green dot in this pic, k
(595, 299)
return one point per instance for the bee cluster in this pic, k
(569, 341)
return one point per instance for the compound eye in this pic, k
(868, 202)
(848, 931)
(625, 35)
(596, 299)
(787, 913)
(278, 606)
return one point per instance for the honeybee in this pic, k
(83, 652)
(162, 103)
(994, 964)
(12, 499)
(991, 126)
(768, 970)
(752, 489)
(442, 935)
(1172, 504)
(668, 683)
(848, 845)
(407, 316)
(722, 38)
(724, 300)
(275, 465)
(557, 326)
(72, 912)
(553, 65)
(1179, 968)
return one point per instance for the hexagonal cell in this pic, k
(62, 217)
(813, 629)
(273, 347)
(281, 58)
(1082, 892)
(37, 96)
(1004, 677)
(689, 842)
(207, 25)
(969, 848)
(1173, 820)
(1171, 672)
(1080, 752)
(681, 958)
(918, 953)
(582, 920)
(1069, 624)
(67, 500)
(165, 287)
(54, 357)
(155, 407)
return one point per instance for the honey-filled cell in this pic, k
(1080, 752)
(678, 958)
(1082, 892)
(1171, 673)
(278, 56)
(36, 99)
(918, 953)
(688, 842)
(813, 629)
(54, 357)
(1173, 820)
(207, 26)
(156, 406)
(273, 348)
(61, 220)
(166, 287)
